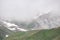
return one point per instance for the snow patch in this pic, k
(13, 27)
(21, 29)
(7, 36)
(9, 24)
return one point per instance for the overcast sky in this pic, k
(27, 9)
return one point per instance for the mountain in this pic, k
(46, 21)
(44, 25)
(51, 34)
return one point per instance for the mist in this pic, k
(27, 9)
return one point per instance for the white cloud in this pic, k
(27, 9)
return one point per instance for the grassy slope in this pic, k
(53, 34)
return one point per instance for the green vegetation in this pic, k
(51, 34)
